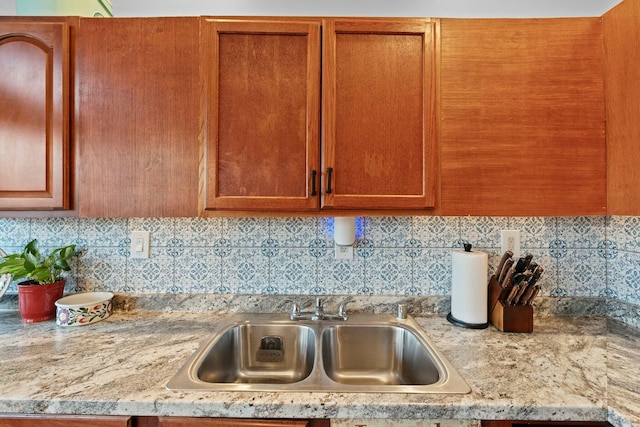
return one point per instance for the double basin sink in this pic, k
(366, 353)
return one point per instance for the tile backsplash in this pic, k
(582, 256)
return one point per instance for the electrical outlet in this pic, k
(510, 240)
(344, 252)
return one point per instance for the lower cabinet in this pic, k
(511, 423)
(65, 421)
(236, 422)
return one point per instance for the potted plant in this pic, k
(43, 284)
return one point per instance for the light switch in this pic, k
(140, 242)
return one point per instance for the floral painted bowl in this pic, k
(83, 309)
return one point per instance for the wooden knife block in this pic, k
(507, 318)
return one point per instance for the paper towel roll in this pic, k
(469, 288)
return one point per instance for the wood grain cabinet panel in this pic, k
(621, 29)
(379, 133)
(522, 117)
(228, 422)
(261, 146)
(138, 117)
(262, 91)
(64, 421)
(34, 115)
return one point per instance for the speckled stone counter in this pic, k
(569, 368)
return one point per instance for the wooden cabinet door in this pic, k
(260, 146)
(138, 117)
(64, 421)
(34, 115)
(522, 117)
(378, 103)
(228, 422)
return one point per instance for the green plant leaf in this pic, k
(62, 264)
(32, 248)
(30, 261)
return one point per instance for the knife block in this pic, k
(507, 318)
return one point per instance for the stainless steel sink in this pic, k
(259, 354)
(377, 355)
(270, 352)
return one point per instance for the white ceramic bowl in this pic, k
(83, 309)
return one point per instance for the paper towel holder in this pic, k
(460, 323)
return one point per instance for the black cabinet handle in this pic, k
(313, 183)
(329, 172)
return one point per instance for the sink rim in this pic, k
(450, 381)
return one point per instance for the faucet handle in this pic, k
(342, 308)
(295, 308)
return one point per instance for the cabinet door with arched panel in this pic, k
(34, 115)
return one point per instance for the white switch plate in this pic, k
(510, 240)
(344, 252)
(140, 243)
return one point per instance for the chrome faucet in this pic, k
(318, 312)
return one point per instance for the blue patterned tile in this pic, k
(437, 231)
(154, 275)
(581, 231)
(582, 273)
(432, 272)
(101, 269)
(325, 230)
(483, 231)
(245, 271)
(535, 232)
(198, 232)
(624, 277)
(294, 232)
(293, 270)
(270, 247)
(388, 271)
(161, 229)
(14, 232)
(625, 231)
(388, 231)
(198, 271)
(341, 277)
(608, 249)
(55, 232)
(175, 248)
(246, 232)
(103, 232)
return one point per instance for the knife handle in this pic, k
(536, 290)
(521, 265)
(512, 294)
(526, 296)
(507, 278)
(521, 292)
(508, 254)
(505, 268)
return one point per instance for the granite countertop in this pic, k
(569, 368)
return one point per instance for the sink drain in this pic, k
(269, 356)
(270, 349)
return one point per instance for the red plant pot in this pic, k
(37, 302)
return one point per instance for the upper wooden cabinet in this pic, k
(263, 95)
(138, 117)
(261, 82)
(621, 28)
(378, 122)
(34, 115)
(522, 117)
